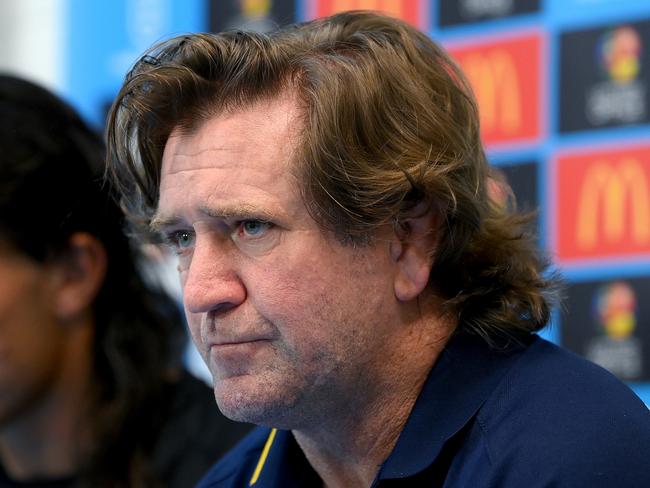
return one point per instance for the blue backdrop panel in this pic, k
(105, 37)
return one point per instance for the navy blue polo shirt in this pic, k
(519, 415)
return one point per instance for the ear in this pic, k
(80, 272)
(413, 249)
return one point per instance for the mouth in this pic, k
(235, 357)
(235, 342)
(231, 349)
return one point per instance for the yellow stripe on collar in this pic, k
(262, 460)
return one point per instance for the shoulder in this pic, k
(556, 414)
(566, 383)
(236, 468)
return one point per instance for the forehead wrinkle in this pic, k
(180, 162)
(179, 156)
(192, 153)
(288, 124)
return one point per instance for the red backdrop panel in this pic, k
(602, 206)
(506, 77)
(413, 11)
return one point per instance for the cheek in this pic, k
(30, 343)
(309, 301)
(286, 286)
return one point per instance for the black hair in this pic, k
(51, 186)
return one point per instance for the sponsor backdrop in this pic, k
(564, 93)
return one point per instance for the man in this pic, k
(347, 279)
(92, 392)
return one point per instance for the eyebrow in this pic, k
(233, 212)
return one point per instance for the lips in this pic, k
(227, 329)
(235, 341)
(236, 357)
(240, 349)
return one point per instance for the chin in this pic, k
(257, 407)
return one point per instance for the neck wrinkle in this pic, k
(348, 451)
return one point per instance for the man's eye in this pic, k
(181, 239)
(254, 228)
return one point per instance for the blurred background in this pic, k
(564, 92)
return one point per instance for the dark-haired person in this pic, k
(349, 282)
(92, 392)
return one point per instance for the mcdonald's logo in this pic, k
(603, 204)
(255, 8)
(606, 191)
(496, 86)
(505, 77)
(413, 11)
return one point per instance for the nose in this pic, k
(212, 283)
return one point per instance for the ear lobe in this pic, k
(413, 251)
(81, 270)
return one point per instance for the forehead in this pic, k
(265, 130)
(235, 163)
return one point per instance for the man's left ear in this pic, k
(80, 271)
(412, 251)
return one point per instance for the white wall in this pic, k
(31, 40)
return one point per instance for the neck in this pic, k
(348, 448)
(44, 440)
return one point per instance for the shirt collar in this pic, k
(466, 372)
(284, 464)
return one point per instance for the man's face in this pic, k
(291, 322)
(30, 338)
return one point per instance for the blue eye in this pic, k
(254, 228)
(182, 239)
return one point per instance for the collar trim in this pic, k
(467, 372)
(262, 460)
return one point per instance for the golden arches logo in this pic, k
(494, 78)
(389, 7)
(613, 190)
(256, 8)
